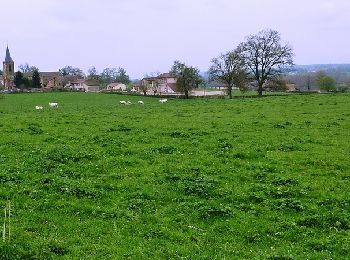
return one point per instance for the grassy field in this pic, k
(250, 178)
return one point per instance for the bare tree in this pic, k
(265, 56)
(26, 68)
(71, 71)
(93, 73)
(229, 69)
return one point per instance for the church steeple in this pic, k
(8, 55)
(8, 70)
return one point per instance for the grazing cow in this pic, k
(163, 100)
(125, 102)
(140, 102)
(39, 107)
(53, 105)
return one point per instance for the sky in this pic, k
(147, 36)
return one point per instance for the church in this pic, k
(49, 80)
(8, 73)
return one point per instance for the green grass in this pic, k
(260, 178)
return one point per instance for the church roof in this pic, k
(8, 55)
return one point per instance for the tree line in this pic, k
(29, 76)
(262, 58)
(261, 62)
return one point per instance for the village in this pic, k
(162, 84)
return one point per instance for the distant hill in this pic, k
(338, 68)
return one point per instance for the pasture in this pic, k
(250, 178)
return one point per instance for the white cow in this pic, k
(163, 100)
(53, 105)
(39, 107)
(125, 102)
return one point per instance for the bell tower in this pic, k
(8, 70)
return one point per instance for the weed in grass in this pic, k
(164, 149)
(35, 129)
(331, 222)
(215, 212)
(178, 134)
(280, 257)
(139, 202)
(201, 186)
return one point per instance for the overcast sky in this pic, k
(145, 36)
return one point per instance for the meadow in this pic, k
(248, 178)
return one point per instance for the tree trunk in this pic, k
(260, 89)
(230, 92)
(186, 93)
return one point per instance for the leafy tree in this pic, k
(122, 77)
(107, 76)
(110, 75)
(325, 82)
(26, 82)
(69, 70)
(18, 80)
(26, 68)
(36, 82)
(187, 78)
(265, 56)
(21, 81)
(229, 69)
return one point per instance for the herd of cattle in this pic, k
(122, 102)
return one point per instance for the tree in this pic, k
(0, 72)
(71, 71)
(26, 68)
(325, 82)
(277, 84)
(107, 76)
(36, 82)
(21, 81)
(265, 56)
(93, 74)
(122, 77)
(18, 80)
(187, 78)
(229, 69)
(145, 85)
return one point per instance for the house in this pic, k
(51, 79)
(115, 86)
(165, 83)
(84, 85)
(291, 87)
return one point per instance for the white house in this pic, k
(166, 83)
(116, 87)
(163, 84)
(84, 85)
